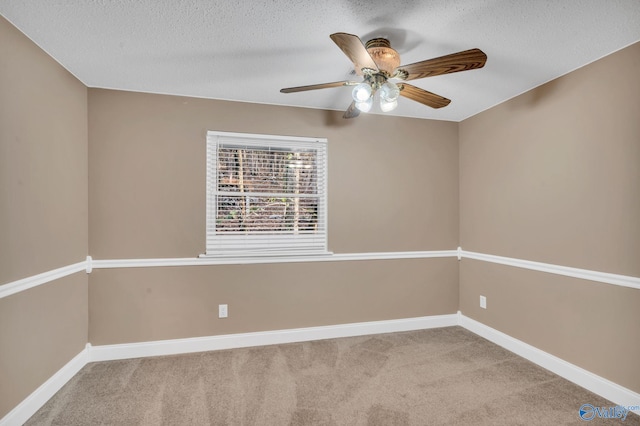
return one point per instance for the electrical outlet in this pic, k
(483, 302)
(223, 311)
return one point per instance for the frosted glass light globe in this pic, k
(365, 106)
(387, 106)
(389, 91)
(361, 92)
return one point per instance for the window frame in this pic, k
(247, 243)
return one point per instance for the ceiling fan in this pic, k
(378, 63)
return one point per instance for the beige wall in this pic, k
(143, 304)
(43, 214)
(41, 330)
(392, 187)
(590, 324)
(554, 176)
(393, 183)
(43, 160)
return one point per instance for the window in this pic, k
(266, 195)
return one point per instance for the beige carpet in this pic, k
(446, 376)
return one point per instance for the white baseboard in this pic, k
(28, 407)
(242, 340)
(596, 384)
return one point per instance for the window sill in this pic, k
(292, 255)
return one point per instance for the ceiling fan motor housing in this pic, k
(385, 57)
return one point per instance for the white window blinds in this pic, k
(266, 195)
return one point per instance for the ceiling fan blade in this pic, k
(352, 111)
(353, 47)
(420, 95)
(455, 62)
(318, 86)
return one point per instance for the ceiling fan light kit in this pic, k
(378, 63)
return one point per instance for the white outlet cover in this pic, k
(483, 302)
(223, 311)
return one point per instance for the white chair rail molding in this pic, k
(586, 379)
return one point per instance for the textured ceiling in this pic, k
(249, 50)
